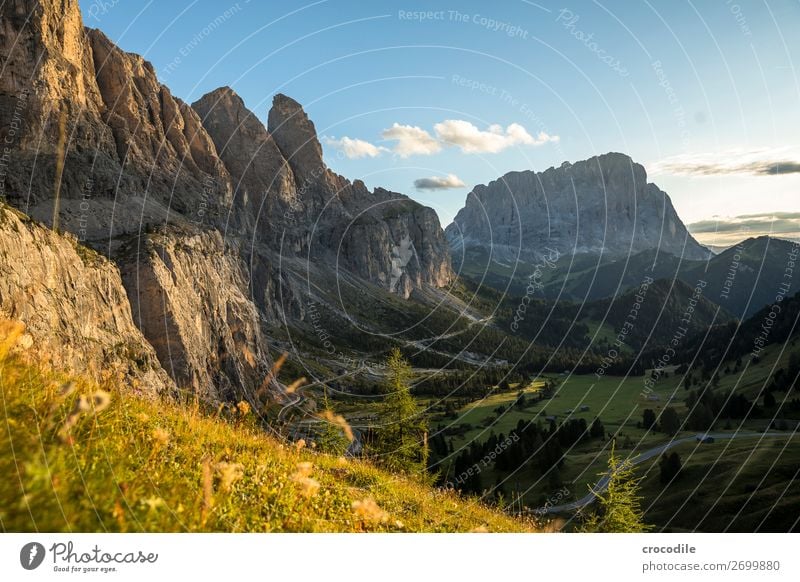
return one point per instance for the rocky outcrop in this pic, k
(74, 307)
(158, 138)
(263, 183)
(92, 122)
(296, 137)
(189, 295)
(48, 74)
(603, 204)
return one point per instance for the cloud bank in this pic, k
(732, 229)
(472, 140)
(753, 162)
(411, 140)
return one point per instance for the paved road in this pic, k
(602, 484)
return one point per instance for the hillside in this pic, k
(744, 486)
(82, 456)
(775, 324)
(663, 310)
(742, 279)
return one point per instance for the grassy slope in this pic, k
(157, 466)
(743, 486)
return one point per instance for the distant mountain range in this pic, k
(741, 279)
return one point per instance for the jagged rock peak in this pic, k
(296, 137)
(256, 165)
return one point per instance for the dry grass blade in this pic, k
(339, 421)
(292, 388)
(272, 374)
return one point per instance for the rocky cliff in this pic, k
(603, 204)
(91, 123)
(189, 296)
(73, 305)
(219, 224)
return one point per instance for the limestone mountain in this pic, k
(603, 205)
(223, 229)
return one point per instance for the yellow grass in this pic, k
(76, 456)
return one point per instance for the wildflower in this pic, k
(81, 405)
(160, 435)
(300, 444)
(229, 473)
(368, 510)
(243, 407)
(304, 469)
(308, 486)
(100, 400)
(66, 389)
(153, 503)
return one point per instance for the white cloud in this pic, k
(472, 140)
(753, 162)
(355, 148)
(439, 182)
(411, 140)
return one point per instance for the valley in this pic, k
(207, 328)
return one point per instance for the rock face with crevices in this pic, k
(302, 209)
(73, 305)
(603, 204)
(190, 297)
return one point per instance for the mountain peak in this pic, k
(296, 137)
(599, 205)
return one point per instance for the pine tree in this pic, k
(670, 467)
(401, 440)
(619, 508)
(331, 438)
(648, 418)
(669, 421)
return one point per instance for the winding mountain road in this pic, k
(602, 484)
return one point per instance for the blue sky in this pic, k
(704, 94)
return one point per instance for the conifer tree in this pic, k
(401, 440)
(619, 509)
